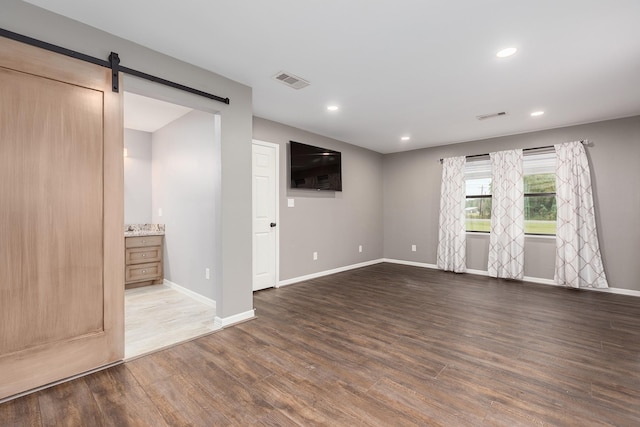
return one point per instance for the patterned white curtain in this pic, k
(452, 237)
(578, 260)
(506, 240)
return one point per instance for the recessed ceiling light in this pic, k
(537, 113)
(506, 52)
(405, 138)
(333, 108)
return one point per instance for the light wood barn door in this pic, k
(61, 215)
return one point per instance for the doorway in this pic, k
(171, 189)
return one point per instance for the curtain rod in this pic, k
(583, 142)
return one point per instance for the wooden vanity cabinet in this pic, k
(143, 261)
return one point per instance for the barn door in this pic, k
(61, 215)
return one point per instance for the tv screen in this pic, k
(315, 168)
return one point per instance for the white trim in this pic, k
(223, 322)
(412, 263)
(619, 291)
(277, 213)
(526, 236)
(477, 272)
(539, 280)
(188, 292)
(540, 236)
(328, 272)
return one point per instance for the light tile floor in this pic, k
(158, 316)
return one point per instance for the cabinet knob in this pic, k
(144, 271)
(144, 255)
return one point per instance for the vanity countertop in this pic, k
(143, 233)
(136, 230)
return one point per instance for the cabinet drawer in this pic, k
(140, 272)
(140, 255)
(141, 241)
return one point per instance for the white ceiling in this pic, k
(411, 67)
(149, 115)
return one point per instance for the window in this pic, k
(539, 197)
(478, 186)
(540, 193)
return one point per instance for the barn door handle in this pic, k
(273, 224)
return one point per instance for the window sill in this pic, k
(526, 236)
(540, 236)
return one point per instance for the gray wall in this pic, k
(412, 199)
(183, 184)
(234, 296)
(330, 223)
(137, 177)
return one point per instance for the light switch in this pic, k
(291, 203)
(159, 211)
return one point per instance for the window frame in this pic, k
(490, 197)
(548, 194)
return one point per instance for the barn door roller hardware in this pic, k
(113, 63)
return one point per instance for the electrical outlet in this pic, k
(315, 256)
(360, 248)
(413, 248)
(207, 273)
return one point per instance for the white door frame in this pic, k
(277, 205)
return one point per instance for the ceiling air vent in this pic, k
(291, 80)
(491, 116)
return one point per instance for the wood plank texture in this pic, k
(61, 192)
(51, 221)
(382, 345)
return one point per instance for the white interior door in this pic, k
(265, 215)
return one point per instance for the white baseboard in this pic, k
(223, 322)
(539, 280)
(328, 272)
(477, 272)
(190, 293)
(411, 263)
(620, 291)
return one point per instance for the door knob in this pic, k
(273, 224)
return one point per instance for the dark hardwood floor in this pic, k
(385, 345)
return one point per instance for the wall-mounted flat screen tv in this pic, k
(315, 168)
